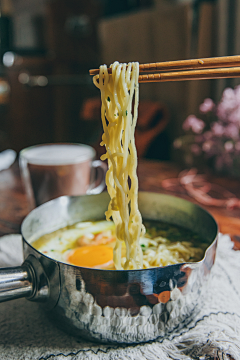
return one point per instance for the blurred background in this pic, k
(48, 46)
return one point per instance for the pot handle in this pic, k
(15, 282)
(28, 280)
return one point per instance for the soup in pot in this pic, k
(90, 244)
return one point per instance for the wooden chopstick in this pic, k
(206, 63)
(191, 75)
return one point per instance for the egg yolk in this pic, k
(91, 256)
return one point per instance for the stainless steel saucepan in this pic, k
(121, 306)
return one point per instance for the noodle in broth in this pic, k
(90, 244)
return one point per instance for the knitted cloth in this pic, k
(26, 333)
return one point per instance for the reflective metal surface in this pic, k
(15, 283)
(116, 305)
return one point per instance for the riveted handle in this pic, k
(15, 282)
(28, 280)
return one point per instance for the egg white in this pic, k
(62, 242)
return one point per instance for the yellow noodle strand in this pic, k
(117, 92)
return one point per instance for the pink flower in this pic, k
(221, 140)
(207, 135)
(195, 149)
(237, 92)
(228, 146)
(194, 124)
(234, 116)
(198, 126)
(187, 123)
(207, 145)
(221, 112)
(229, 98)
(231, 131)
(206, 106)
(217, 129)
(229, 102)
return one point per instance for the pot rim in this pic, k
(132, 270)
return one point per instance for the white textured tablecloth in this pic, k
(26, 332)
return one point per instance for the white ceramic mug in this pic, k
(52, 170)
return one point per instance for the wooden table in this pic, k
(13, 202)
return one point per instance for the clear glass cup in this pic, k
(52, 170)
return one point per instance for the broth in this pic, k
(90, 244)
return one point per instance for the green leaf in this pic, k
(108, 99)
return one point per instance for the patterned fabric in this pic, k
(26, 332)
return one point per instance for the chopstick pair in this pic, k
(207, 68)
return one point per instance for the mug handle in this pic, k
(98, 164)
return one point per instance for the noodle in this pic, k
(162, 245)
(117, 93)
(161, 252)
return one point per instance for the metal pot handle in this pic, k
(28, 280)
(15, 282)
